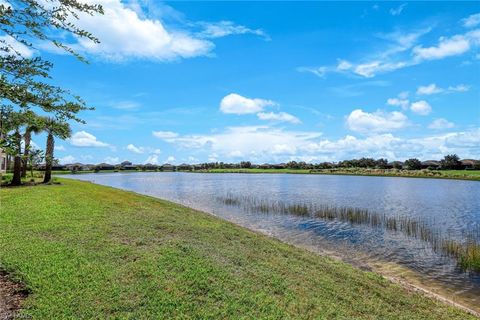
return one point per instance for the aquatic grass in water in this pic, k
(466, 253)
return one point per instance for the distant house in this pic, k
(279, 166)
(129, 167)
(470, 164)
(168, 167)
(74, 166)
(431, 164)
(197, 167)
(184, 167)
(3, 161)
(105, 166)
(265, 166)
(150, 166)
(396, 164)
(125, 163)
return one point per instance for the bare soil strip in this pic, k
(12, 295)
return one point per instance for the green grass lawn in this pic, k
(88, 251)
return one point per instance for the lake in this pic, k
(450, 207)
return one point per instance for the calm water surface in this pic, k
(451, 206)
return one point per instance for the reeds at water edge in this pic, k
(467, 253)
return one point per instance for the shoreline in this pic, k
(471, 177)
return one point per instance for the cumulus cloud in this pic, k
(280, 116)
(434, 89)
(440, 124)
(171, 159)
(125, 34)
(428, 90)
(472, 20)
(152, 159)
(446, 47)
(134, 149)
(247, 141)
(85, 139)
(237, 104)
(376, 122)
(57, 148)
(421, 107)
(399, 102)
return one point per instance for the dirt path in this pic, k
(11, 297)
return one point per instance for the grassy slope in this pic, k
(90, 251)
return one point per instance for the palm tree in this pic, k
(33, 127)
(54, 128)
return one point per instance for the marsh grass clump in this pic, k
(466, 253)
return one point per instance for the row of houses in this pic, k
(129, 166)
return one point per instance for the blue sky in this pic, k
(273, 81)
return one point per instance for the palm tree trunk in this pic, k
(49, 158)
(27, 138)
(17, 163)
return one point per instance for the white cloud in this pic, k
(459, 88)
(441, 124)
(428, 90)
(237, 104)
(376, 122)
(403, 103)
(318, 71)
(251, 142)
(152, 159)
(433, 89)
(344, 65)
(421, 107)
(111, 160)
(134, 149)
(471, 21)
(370, 69)
(226, 28)
(398, 10)
(393, 55)
(125, 34)
(156, 151)
(280, 116)
(165, 134)
(67, 159)
(85, 139)
(171, 159)
(125, 105)
(15, 47)
(57, 148)
(446, 47)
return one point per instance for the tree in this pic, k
(451, 161)
(413, 164)
(34, 126)
(54, 129)
(25, 85)
(382, 163)
(35, 157)
(245, 164)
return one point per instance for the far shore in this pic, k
(434, 174)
